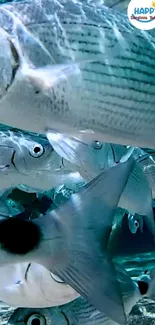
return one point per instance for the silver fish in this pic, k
(91, 80)
(148, 164)
(31, 285)
(135, 222)
(71, 241)
(90, 159)
(78, 312)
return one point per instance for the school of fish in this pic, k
(77, 132)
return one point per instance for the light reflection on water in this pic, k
(138, 263)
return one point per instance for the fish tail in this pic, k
(86, 221)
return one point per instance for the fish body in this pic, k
(77, 69)
(71, 241)
(79, 311)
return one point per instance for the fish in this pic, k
(147, 162)
(91, 81)
(71, 241)
(30, 160)
(31, 285)
(135, 222)
(79, 311)
(90, 159)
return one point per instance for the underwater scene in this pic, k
(77, 162)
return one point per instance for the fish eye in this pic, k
(56, 278)
(97, 144)
(37, 150)
(136, 223)
(36, 319)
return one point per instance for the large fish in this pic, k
(72, 240)
(77, 69)
(79, 312)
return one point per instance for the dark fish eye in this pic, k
(36, 150)
(97, 144)
(36, 319)
(137, 224)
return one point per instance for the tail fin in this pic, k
(85, 222)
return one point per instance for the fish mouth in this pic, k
(10, 62)
(11, 164)
(12, 160)
(15, 63)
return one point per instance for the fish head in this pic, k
(22, 152)
(33, 153)
(21, 55)
(43, 316)
(11, 58)
(133, 223)
(89, 158)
